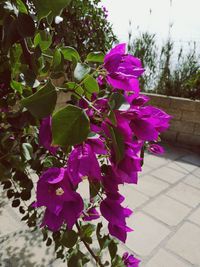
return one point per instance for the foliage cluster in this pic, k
(166, 73)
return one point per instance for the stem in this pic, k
(97, 259)
(27, 53)
(85, 99)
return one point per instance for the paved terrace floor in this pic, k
(166, 219)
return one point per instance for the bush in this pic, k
(178, 77)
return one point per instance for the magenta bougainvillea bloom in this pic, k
(91, 214)
(83, 162)
(63, 204)
(116, 215)
(130, 260)
(122, 69)
(156, 149)
(129, 167)
(147, 122)
(45, 135)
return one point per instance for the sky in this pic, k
(155, 16)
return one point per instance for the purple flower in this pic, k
(147, 122)
(63, 204)
(136, 100)
(130, 260)
(83, 162)
(116, 215)
(119, 231)
(127, 169)
(123, 70)
(45, 135)
(100, 80)
(156, 149)
(91, 214)
(97, 146)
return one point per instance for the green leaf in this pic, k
(16, 86)
(69, 53)
(81, 70)
(95, 57)
(103, 241)
(42, 103)
(94, 189)
(70, 126)
(77, 259)
(76, 87)
(112, 249)
(90, 84)
(118, 101)
(118, 143)
(43, 39)
(87, 230)
(27, 150)
(21, 6)
(57, 60)
(69, 238)
(25, 25)
(112, 117)
(46, 8)
(10, 32)
(51, 161)
(118, 262)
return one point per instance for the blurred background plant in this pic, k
(88, 19)
(167, 73)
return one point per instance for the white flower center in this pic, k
(59, 191)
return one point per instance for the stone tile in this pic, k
(147, 234)
(167, 174)
(151, 186)
(155, 161)
(186, 243)
(133, 198)
(165, 259)
(185, 194)
(145, 169)
(192, 180)
(186, 166)
(174, 152)
(196, 172)
(58, 263)
(195, 216)
(25, 249)
(177, 167)
(9, 222)
(167, 210)
(192, 159)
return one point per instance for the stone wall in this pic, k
(185, 125)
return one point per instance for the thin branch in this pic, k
(97, 259)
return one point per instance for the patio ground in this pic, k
(166, 219)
